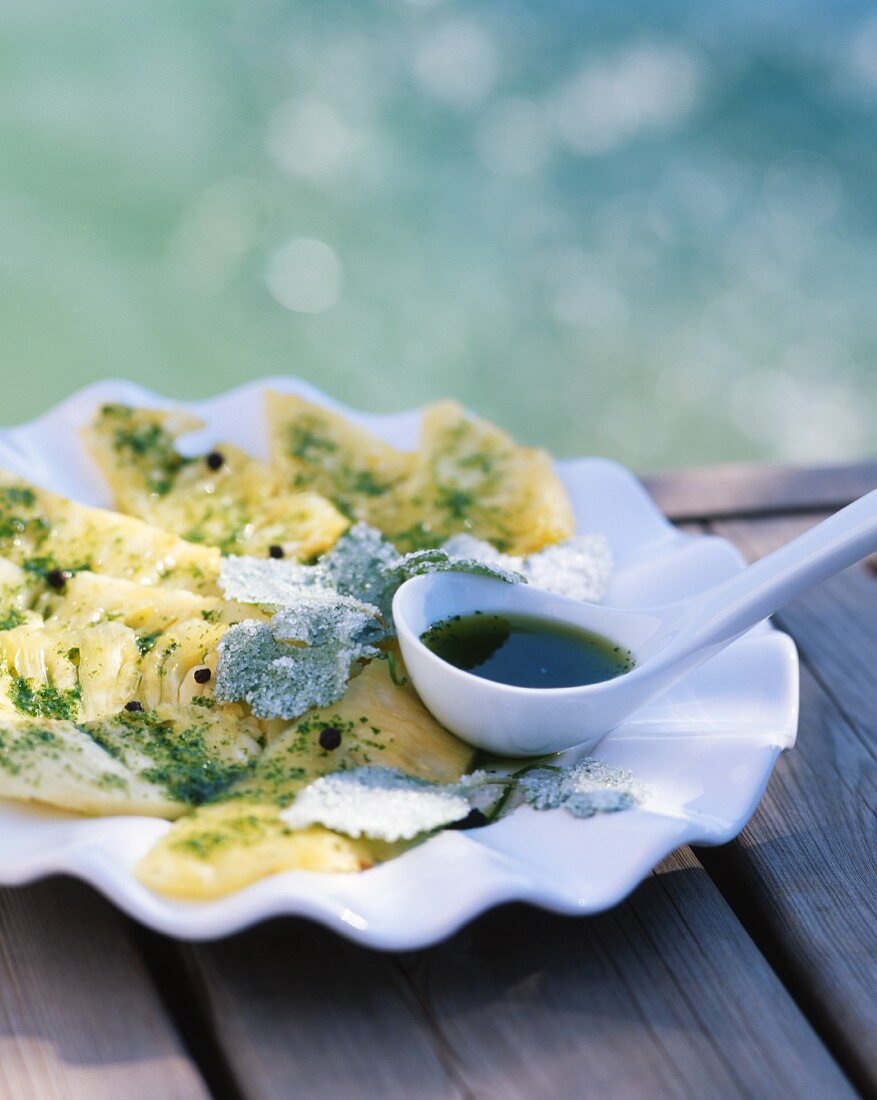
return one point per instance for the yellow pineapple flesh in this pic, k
(225, 499)
(466, 475)
(313, 448)
(82, 680)
(46, 534)
(222, 848)
(470, 476)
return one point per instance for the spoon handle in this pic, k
(732, 607)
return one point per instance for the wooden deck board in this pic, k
(807, 862)
(301, 1012)
(79, 1016)
(666, 995)
(747, 490)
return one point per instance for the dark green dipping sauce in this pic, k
(525, 651)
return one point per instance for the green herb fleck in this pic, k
(45, 701)
(145, 642)
(149, 447)
(11, 618)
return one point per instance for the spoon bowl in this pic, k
(503, 718)
(666, 643)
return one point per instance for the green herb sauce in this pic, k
(525, 651)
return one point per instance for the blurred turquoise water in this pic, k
(639, 230)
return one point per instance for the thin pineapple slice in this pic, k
(56, 672)
(223, 847)
(90, 598)
(314, 448)
(160, 763)
(225, 499)
(57, 762)
(470, 476)
(49, 536)
(169, 667)
(466, 475)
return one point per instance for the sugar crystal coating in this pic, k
(387, 804)
(325, 617)
(281, 678)
(269, 582)
(383, 803)
(355, 564)
(438, 560)
(579, 567)
(583, 789)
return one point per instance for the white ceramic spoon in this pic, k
(665, 642)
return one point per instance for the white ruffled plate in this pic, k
(705, 751)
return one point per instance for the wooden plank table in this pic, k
(743, 971)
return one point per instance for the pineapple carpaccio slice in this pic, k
(470, 476)
(81, 674)
(160, 763)
(224, 847)
(466, 475)
(46, 535)
(314, 448)
(225, 498)
(58, 762)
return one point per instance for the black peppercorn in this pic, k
(275, 551)
(475, 819)
(57, 578)
(214, 460)
(202, 675)
(134, 706)
(330, 738)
